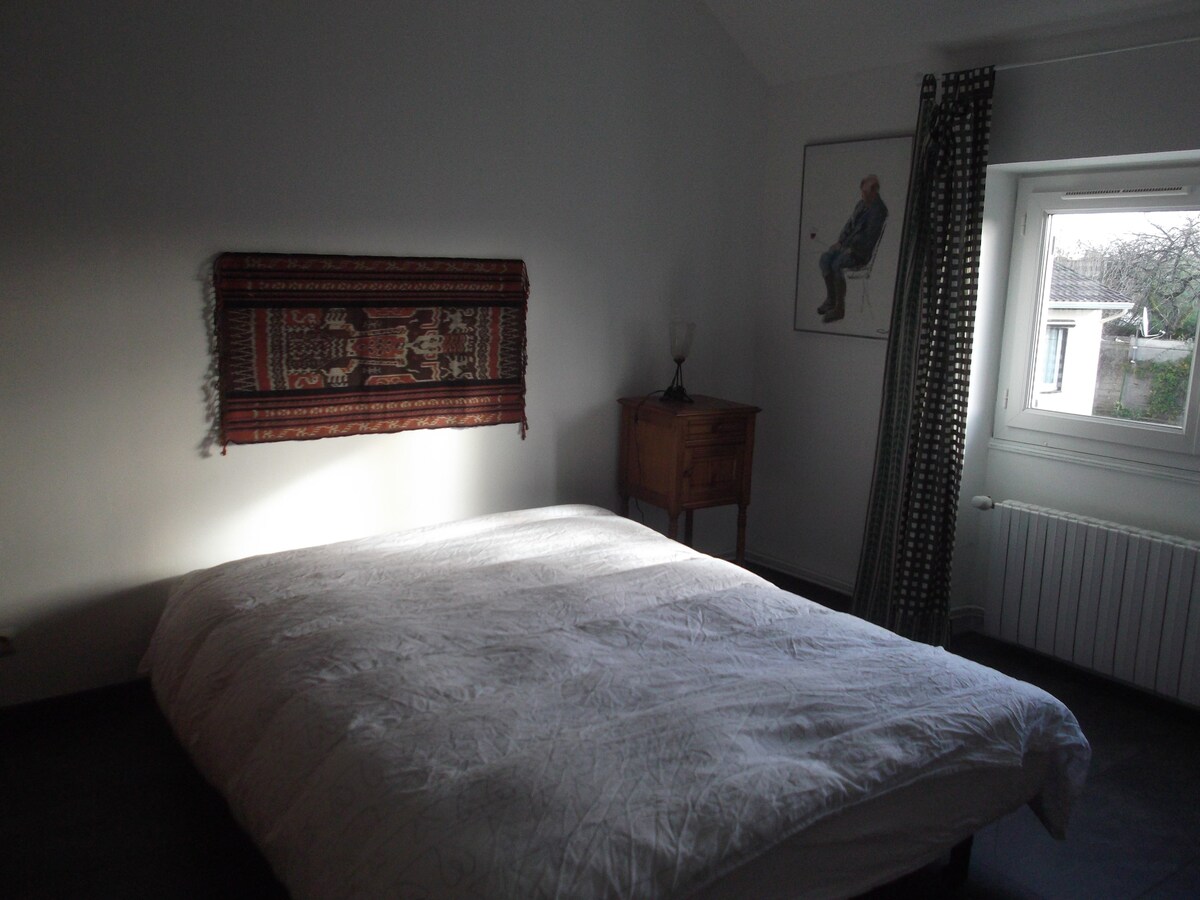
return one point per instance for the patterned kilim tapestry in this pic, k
(324, 346)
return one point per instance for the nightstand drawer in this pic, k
(724, 429)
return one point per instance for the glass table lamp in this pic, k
(681, 346)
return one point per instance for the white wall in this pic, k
(815, 449)
(820, 394)
(615, 147)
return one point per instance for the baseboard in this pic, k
(787, 568)
(966, 618)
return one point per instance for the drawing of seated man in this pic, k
(853, 249)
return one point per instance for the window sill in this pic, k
(1077, 457)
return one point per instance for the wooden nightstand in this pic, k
(687, 456)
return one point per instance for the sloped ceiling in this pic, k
(797, 40)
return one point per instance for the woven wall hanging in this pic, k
(325, 346)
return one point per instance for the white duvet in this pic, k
(558, 703)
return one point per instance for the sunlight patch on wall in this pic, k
(995, 250)
(389, 483)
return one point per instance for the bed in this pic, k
(561, 702)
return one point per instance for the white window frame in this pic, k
(1040, 195)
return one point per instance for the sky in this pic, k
(1071, 230)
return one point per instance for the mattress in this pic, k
(561, 702)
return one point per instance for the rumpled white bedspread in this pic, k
(557, 703)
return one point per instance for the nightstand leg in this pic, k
(741, 537)
(687, 527)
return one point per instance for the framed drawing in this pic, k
(851, 214)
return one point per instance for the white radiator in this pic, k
(1115, 600)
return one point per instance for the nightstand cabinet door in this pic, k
(712, 475)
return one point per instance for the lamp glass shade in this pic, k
(681, 339)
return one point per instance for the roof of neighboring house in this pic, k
(1069, 288)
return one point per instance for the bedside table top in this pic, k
(700, 405)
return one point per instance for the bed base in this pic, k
(956, 871)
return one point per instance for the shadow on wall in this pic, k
(87, 641)
(586, 455)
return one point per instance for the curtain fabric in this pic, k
(903, 580)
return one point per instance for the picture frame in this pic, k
(834, 178)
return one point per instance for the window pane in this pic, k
(1118, 315)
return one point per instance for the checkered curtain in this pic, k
(903, 578)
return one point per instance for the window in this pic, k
(1101, 323)
(1054, 356)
